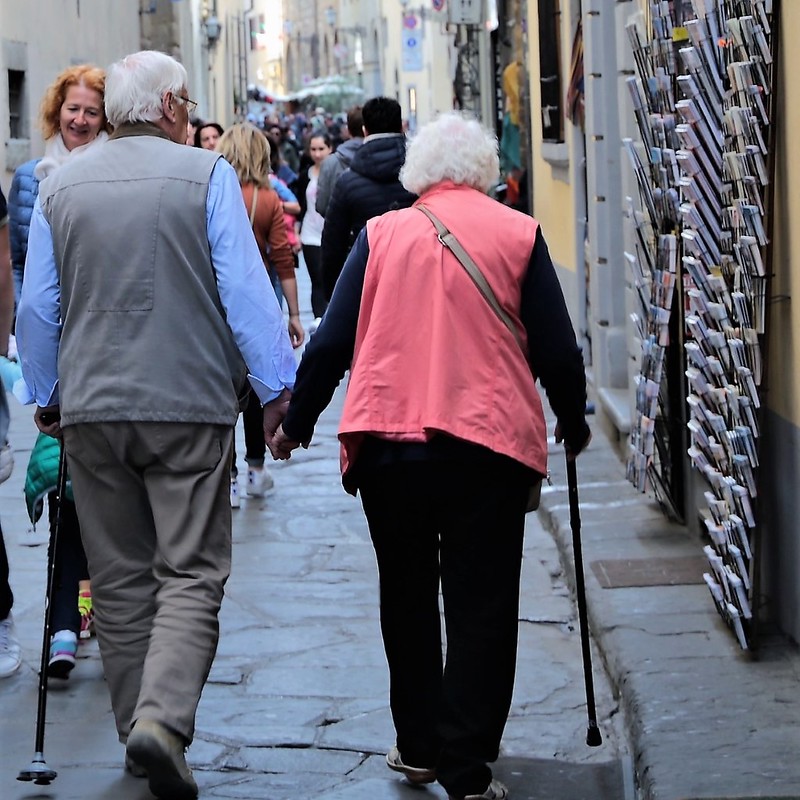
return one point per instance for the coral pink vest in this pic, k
(430, 355)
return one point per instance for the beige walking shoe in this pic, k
(160, 752)
(416, 775)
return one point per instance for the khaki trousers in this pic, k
(155, 518)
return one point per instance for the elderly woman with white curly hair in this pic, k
(443, 434)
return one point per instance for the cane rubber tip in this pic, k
(593, 736)
(38, 772)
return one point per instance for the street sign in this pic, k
(412, 49)
(465, 12)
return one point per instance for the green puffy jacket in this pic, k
(42, 475)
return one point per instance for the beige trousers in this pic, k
(153, 504)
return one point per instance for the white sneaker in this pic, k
(9, 648)
(258, 481)
(6, 459)
(235, 501)
(312, 328)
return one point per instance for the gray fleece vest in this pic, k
(144, 333)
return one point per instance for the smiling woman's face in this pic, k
(81, 116)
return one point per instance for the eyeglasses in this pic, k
(191, 105)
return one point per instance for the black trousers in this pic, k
(312, 255)
(255, 444)
(70, 566)
(461, 526)
(6, 596)
(253, 419)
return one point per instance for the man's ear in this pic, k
(168, 106)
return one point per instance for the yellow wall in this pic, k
(784, 321)
(552, 199)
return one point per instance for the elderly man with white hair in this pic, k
(145, 309)
(443, 435)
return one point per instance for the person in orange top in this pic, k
(247, 150)
(443, 434)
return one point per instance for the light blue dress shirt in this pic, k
(245, 292)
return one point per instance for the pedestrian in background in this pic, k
(311, 221)
(207, 135)
(9, 646)
(191, 130)
(144, 350)
(73, 123)
(333, 167)
(247, 150)
(443, 435)
(371, 186)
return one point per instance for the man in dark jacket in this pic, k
(331, 168)
(370, 186)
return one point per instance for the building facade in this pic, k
(37, 41)
(586, 188)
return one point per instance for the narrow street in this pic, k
(297, 704)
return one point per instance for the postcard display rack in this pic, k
(702, 100)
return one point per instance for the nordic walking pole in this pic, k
(38, 771)
(593, 735)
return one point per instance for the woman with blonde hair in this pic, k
(72, 119)
(248, 152)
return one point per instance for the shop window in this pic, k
(550, 70)
(16, 97)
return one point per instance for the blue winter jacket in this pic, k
(24, 191)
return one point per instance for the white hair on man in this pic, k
(136, 84)
(453, 147)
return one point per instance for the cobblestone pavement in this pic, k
(297, 702)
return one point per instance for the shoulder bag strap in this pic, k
(253, 205)
(472, 269)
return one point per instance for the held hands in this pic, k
(571, 454)
(281, 446)
(274, 412)
(48, 420)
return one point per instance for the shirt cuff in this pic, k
(23, 393)
(265, 393)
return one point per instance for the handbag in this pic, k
(474, 272)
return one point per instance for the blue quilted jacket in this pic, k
(24, 191)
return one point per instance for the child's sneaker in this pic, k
(259, 481)
(63, 649)
(87, 613)
(235, 501)
(9, 648)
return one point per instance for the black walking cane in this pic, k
(593, 736)
(38, 771)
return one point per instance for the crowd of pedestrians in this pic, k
(140, 356)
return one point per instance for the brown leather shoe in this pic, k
(160, 752)
(132, 768)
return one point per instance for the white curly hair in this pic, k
(454, 147)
